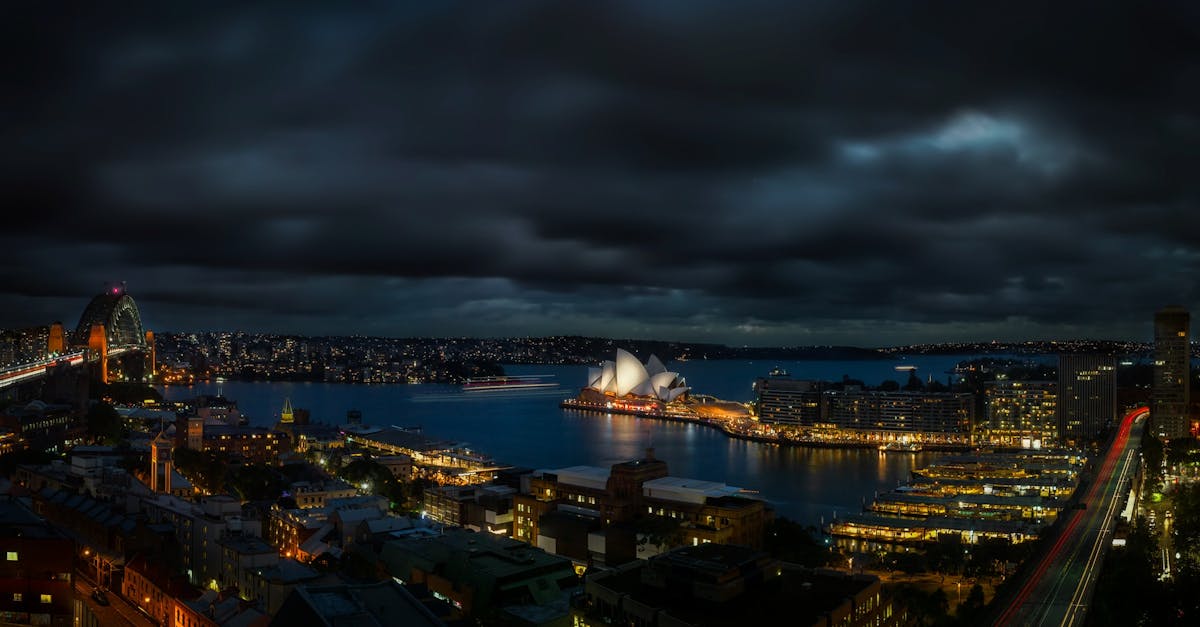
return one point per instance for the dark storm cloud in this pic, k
(758, 173)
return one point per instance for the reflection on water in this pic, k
(527, 428)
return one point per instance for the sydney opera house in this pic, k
(630, 382)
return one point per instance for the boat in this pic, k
(509, 382)
(900, 447)
(778, 372)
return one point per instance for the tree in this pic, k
(791, 542)
(206, 470)
(123, 393)
(659, 531)
(256, 482)
(971, 608)
(924, 608)
(104, 424)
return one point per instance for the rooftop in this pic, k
(368, 605)
(583, 476)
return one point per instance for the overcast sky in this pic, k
(762, 173)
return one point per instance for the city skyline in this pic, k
(768, 175)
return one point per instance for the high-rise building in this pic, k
(786, 401)
(1087, 396)
(1169, 397)
(1023, 413)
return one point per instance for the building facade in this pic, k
(608, 515)
(36, 569)
(1087, 396)
(888, 415)
(1022, 413)
(786, 401)
(870, 415)
(1170, 396)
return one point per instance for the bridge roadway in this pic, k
(21, 373)
(1060, 586)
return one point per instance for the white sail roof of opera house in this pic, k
(626, 376)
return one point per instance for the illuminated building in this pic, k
(627, 378)
(215, 609)
(40, 426)
(251, 444)
(194, 430)
(987, 506)
(600, 514)
(892, 530)
(288, 529)
(315, 494)
(399, 465)
(1023, 413)
(216, 409)
(1051, 487)
(1087, 396)
(150, 586)
(865, 414)
(1170, 395)
(921, 416)
(786, 401)
(480, 508)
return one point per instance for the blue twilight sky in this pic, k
(763, 173)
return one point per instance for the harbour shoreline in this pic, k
(575, 405)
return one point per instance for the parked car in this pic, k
(99, 597)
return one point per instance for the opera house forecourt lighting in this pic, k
(627, 379)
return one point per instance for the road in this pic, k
(1060, 586)
(117, 612)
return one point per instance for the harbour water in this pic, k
(527, 428)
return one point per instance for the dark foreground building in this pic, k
(713, 584)
(36, 569)
(365, 605)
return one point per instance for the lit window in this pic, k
(17, 596)
(12, 556)
(47, 598)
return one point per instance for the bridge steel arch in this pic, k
(122, 322)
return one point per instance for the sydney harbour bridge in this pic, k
(108, 344)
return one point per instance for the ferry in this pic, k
(900, 447)
(511, 382)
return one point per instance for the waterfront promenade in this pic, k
(743, 428)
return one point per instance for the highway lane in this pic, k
(1059, 587)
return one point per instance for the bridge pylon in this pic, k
(56, 342)
(98, 344)
(152, 358)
